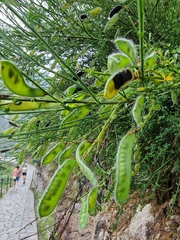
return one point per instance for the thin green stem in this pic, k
(51, 50)
(140, 4)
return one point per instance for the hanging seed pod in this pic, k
(27, 106)
(13, 79)
(83, 218)
(136, 152)
(95, 11)
(150, 60)
(117, 82)
(21, 157)
(137, 109)
(83, 16)
(52, 153)
(66, 153)
(55, 188)
(174, 96)
(115, 10)
(127, 47)
(92, 197)
(112, 21)
(123, 167)
(74, 116)
(136, 169)
(84, 169)
(116, 62)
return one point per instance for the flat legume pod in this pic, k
(92, 197)
(123, 167)
(52, 153)
(127, 47)
(83, 217)
(55, 188)
(84, 169)
(137, 109)
(14, 81)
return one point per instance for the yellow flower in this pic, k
(168, 78)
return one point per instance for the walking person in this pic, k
(16, 175)
(24, 173)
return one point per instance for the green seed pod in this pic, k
(137, 109)
(70, 90)
(174, 96)
(95, 11)
(66, 153)
(136, 152)
(117, 61)
(55, 188)
(92, 197)
(26, 106)
(8, 131)
(121, 1)
(31, 123)
(115, 10)
(17, 146)
(75, 116)
(112, 21)
(127, 47)
(41, 150)
(21, 157)
(52, 153)
(85, 170)
(83, 218)
(23, 126)
(136, 169)
(150, 60)
(13, 79)
(15, 117)
(123, 168)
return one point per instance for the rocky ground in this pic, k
(135, 223)
(147, 220)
